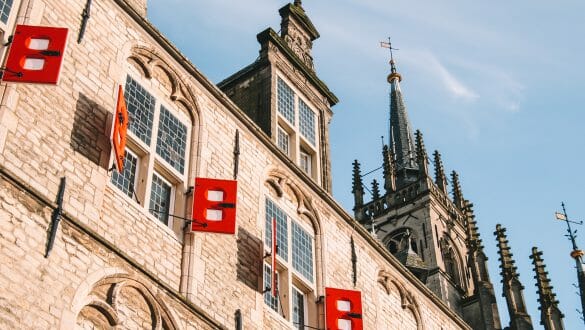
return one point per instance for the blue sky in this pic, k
(496, 86)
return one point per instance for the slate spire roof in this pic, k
(401, 136)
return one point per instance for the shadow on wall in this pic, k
(89, 136)
(249, 259)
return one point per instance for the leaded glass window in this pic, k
(298, 310)
(306, 122)
(283, 141)
(160, 199)
(140, 105)
(281, 228)
(172, 139)
(269, 299)
(302, 251)
(126, 180)
(5, 6)
(286, 101)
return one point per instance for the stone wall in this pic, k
(112, 262)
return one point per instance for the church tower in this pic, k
(433, 234)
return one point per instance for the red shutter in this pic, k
(273, 255)
(214, 206)
(120, 129)
(36, 54)
(343, 308)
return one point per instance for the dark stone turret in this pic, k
(513, 289)
(550, 315)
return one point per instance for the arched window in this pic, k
(157, 149)
(452, 267)
(296, 265)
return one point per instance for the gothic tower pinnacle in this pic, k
(513, 289)
(550, 315)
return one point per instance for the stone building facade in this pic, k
(123, 256)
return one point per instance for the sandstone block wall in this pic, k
(112, 262)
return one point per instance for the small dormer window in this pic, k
(296, 129)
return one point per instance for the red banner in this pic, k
(343, 309)
(36, 54)
(214, 206)
(119, 131)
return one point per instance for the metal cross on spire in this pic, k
(388, 45)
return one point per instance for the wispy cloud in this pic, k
(428, 63)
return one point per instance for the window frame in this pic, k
(298, 141)
(150, 162)
(289, 277)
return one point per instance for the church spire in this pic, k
(375, 190)
(440, 178)
(401, 137)
(550, 315)
(513, 289)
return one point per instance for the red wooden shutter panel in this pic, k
(214, 206)
(36, 54)
(343, 309)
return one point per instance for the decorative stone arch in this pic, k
(407, 300)
(103, 293)
(149, 61)
(392, 237)
(453, 261)
(280, 183)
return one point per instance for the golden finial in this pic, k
(394, 74)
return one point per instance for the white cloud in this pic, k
(427, 62)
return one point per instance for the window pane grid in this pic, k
(281, 229)
(298, 315)
(306, 122)
(283, 141)
(302, 251)
(125, 180)
(140, 109)
(269, 299)
(5, 6)
(160, 199)
(286, 101)
(172, 140)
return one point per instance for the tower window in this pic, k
(286, 101)
(307, 122)
(283, 141)
(305, 162)
(297, 128)
(140, 109)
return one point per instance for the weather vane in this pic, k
(388, 45)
